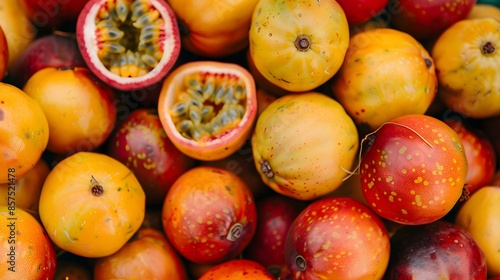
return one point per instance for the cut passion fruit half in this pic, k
(128, 44)
(208, 108)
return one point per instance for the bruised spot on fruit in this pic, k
(488, 48)
(235, 232)
(2, 115)
(208, 105)
(300, 262)
(303, 43)
(428, 63)
(265, 167)
(96, 188)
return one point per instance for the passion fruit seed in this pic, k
(235, 232)
(129, 35)
(96, 188)
(208, 105)
(300, 262)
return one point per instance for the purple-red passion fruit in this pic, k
(128, 44)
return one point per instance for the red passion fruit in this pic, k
(414, 169)
(128, 44)
(208, 108)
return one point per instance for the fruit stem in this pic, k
(265, 167)
(96, 188)
(488, 48)
(302, 43)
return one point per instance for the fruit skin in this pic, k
(72, 205)
(337, 238)
(26, 249)
(276, 214)
(414, 169)
(4, 54)
(220, 32)
(27, 188)
(48, 14)
(370, 89)
(17, 28)
(227, 144)
(304, 144)
(149, 255)
(484, 10)
(481, 157)
(142, 145)
(25, 133)
(298, 45)
(53, 50)
(479, 217)
(360, 11)
(240, 269)
(426, 20)
(209, 215)
(437, 250)
(466, 57)
(87, 42)
(80, 109)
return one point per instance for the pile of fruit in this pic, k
(249, 139)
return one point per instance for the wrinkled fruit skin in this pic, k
(53, 50)
(276, 214)
(336, 238)
(209, 215)
(438, 250)
(141, 143)
(414, 169)
(425, 20)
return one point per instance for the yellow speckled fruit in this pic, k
(24, 132)
(91, 204)
(298, 45)
(467, 56)
(479, 216)
(304, 144)
(386, 74)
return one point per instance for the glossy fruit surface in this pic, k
(290, 149)
(276, 214)
(128, 44)
(438, 250)
(26, 249)
(88, 191)
(221, 29)
(142, 145)
(56, 50)
(240, 269)
(426, 20)
(209, 215)
(466, 56)
(360, 11)
(208, 108)
(4, 54)
(414, 169)
(370, 89)
(481, 157)
(337, 238)
(148, 255)
(479, 216)
(484, 10)
(47, 14)
(298, 45)
(79, 108)
(25, 133)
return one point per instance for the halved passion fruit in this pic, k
(208, 108)
(128, 44)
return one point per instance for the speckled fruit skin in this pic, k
(438, 250)
(304, 144)
(276, 214)
(427, 19)
(143, 146)
(414, 170)
(337, 238)
(239, 269)
(209, 215)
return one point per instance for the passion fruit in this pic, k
(128, 44)
(208, 108)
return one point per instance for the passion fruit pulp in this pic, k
(129, 44)
(208, 108)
